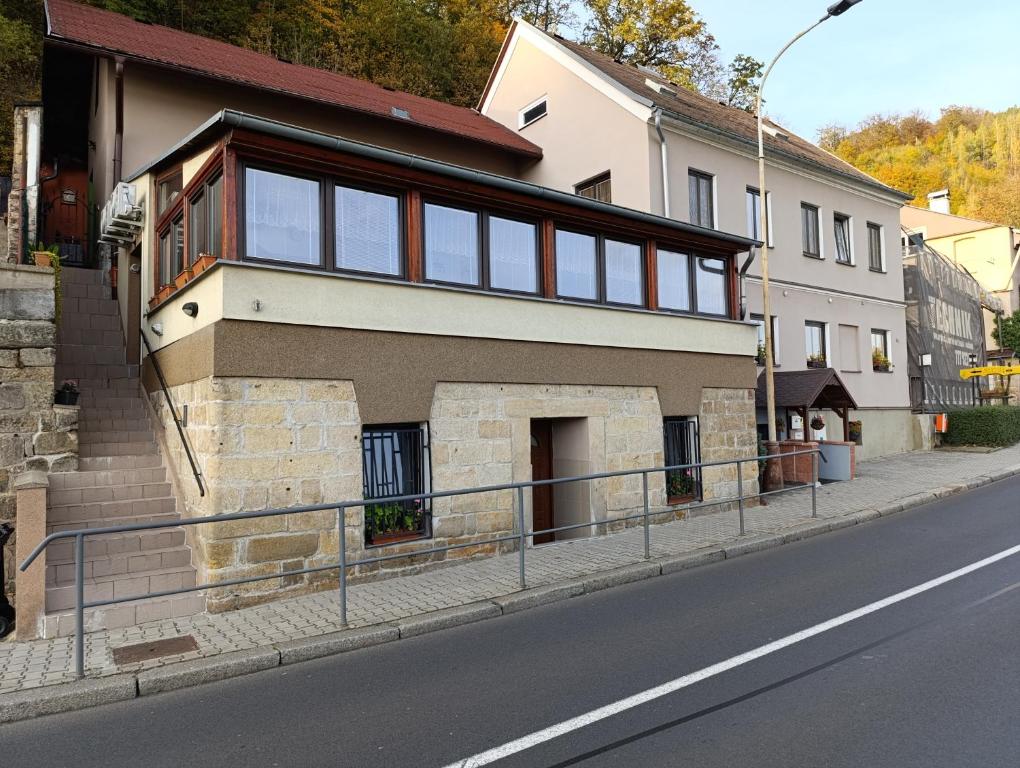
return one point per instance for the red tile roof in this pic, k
(104, 30)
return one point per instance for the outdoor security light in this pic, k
(157, 328)
(842, 7)
(191, 309)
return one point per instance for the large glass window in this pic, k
(451, 245)
(842, 234)
(759, 356)
(576, 265)
(880, 350)
(809, 230)
(395, 462)
(875, 261)
(753, 202)
(168, 188)
(282, 218)
(711, 286)
(674, 279)
(513, 255)
(367, 231)
(214, 193)
(198, 226)
(702, 206)
(814, 340)
(624, 273)
(600, 188)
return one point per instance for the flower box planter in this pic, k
(815, 363)
(164, 293)
(381, 539)
(183, 278)
(202, 263)
(64, 397)
(685, 499)
(42, 258)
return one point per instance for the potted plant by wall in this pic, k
(392, 523)
(67, 394)
(680, 486)
(164, 293)
(817, 423)
(43, 256)
(816, 361)
(202, 263)
(879, 362)
(856, 432)
(759, 356)
(183, 277)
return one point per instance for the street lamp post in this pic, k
(774, 472)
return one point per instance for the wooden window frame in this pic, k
(330, 217)
(692, 281)
(600, 266)
(592, 183)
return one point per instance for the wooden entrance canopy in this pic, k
(818, 388)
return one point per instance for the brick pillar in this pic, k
(30, 606)
(23, 201)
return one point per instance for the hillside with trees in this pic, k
(442, 49)
(973, 153)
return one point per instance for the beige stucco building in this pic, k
(989, 252)
(621, 133)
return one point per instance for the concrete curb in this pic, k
(65, 697)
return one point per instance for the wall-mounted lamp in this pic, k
(191, 309)
(157, 328)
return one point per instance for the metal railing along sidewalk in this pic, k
(520, 536)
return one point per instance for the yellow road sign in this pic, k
(990, 370)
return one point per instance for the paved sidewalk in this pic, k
(881, 483)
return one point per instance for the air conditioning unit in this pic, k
(122, 219)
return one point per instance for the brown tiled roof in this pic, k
(95, 28)
(814, 387)
(698, 109)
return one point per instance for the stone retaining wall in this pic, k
(34, 434)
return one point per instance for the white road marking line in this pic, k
(581, 721)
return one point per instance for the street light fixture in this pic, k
(774, 472)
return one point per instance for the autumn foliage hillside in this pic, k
(973, 153)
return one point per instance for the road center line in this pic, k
(609, 710)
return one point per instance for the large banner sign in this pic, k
(944, 320)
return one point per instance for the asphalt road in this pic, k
(933, 680)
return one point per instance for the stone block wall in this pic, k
(34, 434)
(726, 424)
(266, 444)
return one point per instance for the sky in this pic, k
(881, 56)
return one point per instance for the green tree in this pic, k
(1007, 332)
(20, 67)
(742, 84)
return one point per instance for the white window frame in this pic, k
(850, 239)
(714, 192)
(768, 213)
(520, 115)
(759, 318)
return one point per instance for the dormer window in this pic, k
(534, 111)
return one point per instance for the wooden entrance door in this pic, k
(542, 469)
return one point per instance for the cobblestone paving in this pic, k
(45, 662)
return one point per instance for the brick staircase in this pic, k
(121, 479)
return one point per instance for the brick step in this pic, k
(87, 330)
(130, 407)
(72, 336)
(110, 511)
(61, 623)
(77, 290)
(117, 449)
(165, 517)
(79, 354)
(97, 385)
(114, 544)
(103, 463)
(139, 424)
(74, 307)
(59, 598)
(94, 437)
(109, 566)
(62, 497)
(106, 478)
(70, 275)
(94, 371)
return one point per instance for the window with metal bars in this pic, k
(681, 446)
(396, 462)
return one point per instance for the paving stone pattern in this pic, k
(881, 482)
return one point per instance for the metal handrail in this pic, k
(173, 412)
(521, 535)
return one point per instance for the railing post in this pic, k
(523, 539)
(342, 525)
(740, 493)
(814, 485)
(648, 542)
(79, 606)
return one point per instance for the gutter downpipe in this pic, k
(118, 135)
(664, 154)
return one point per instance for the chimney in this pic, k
(939, 201)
